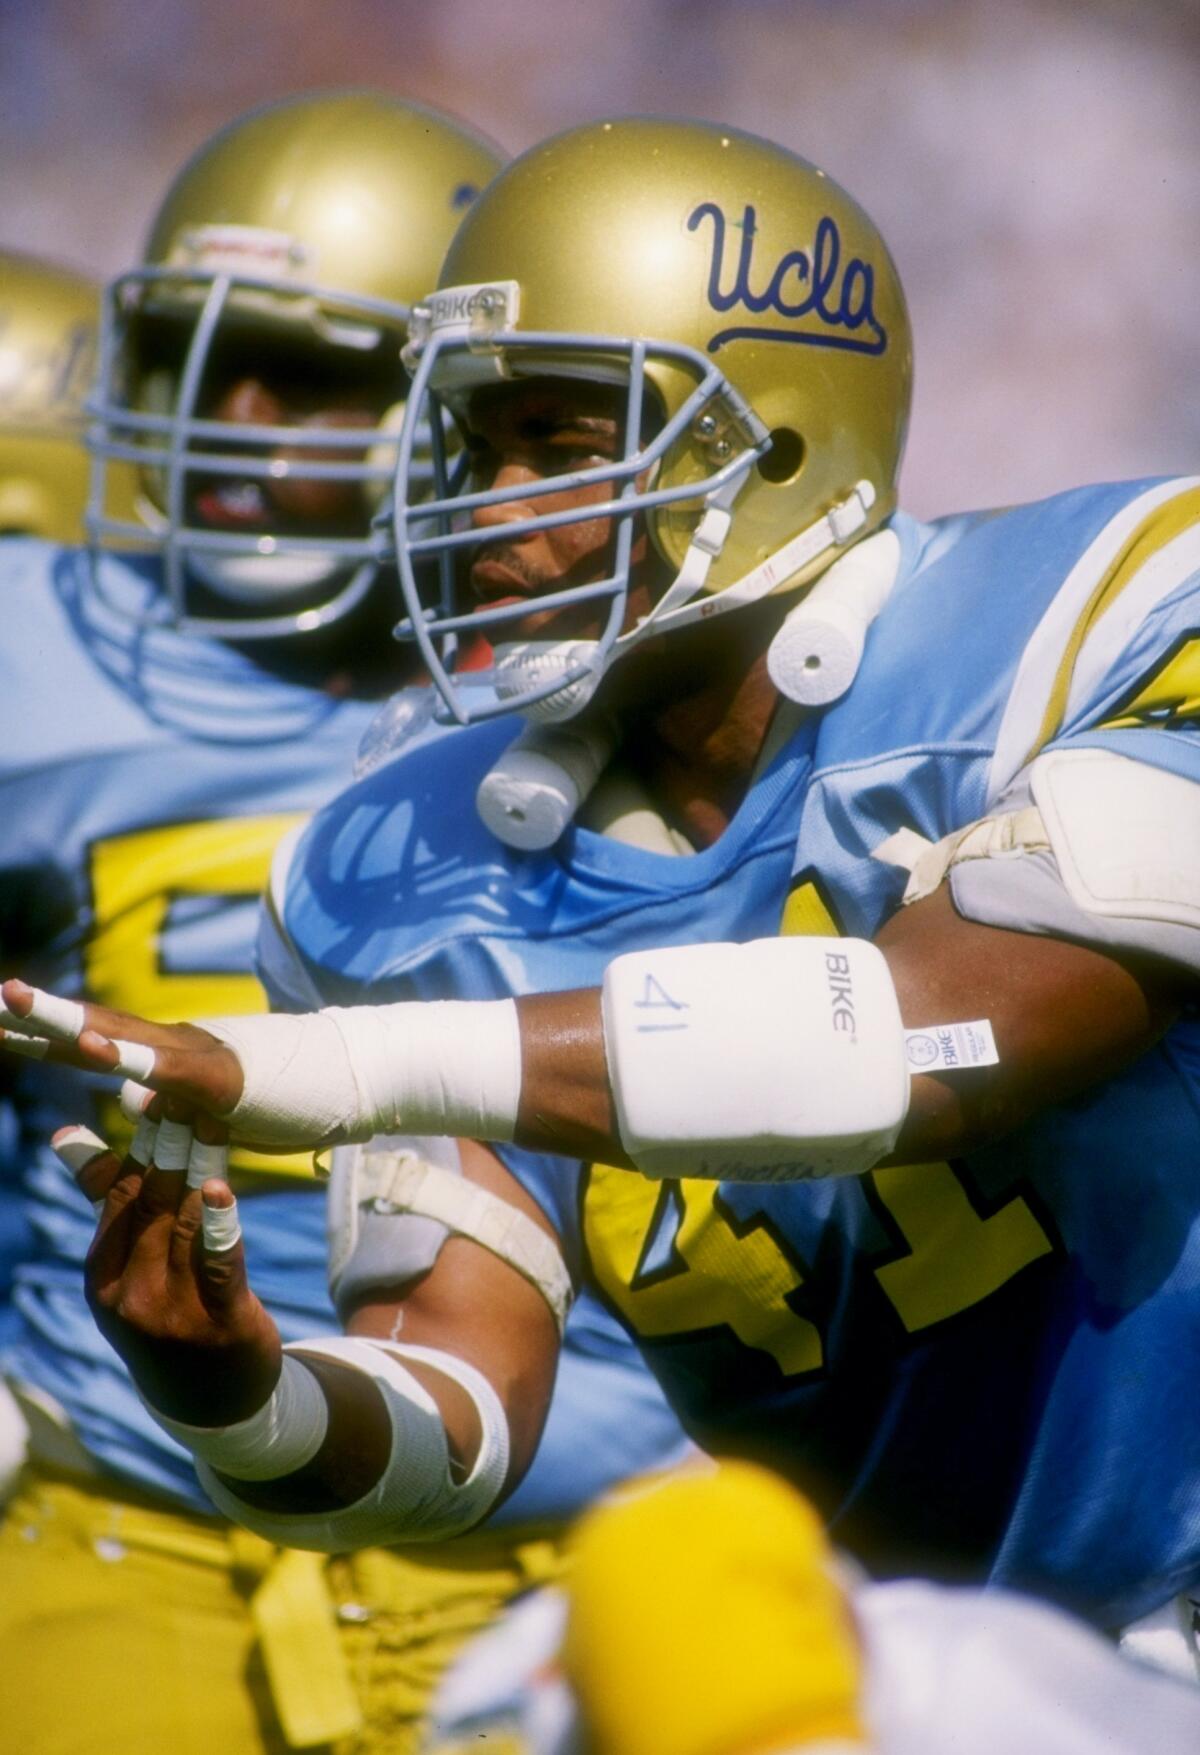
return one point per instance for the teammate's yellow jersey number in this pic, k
(719, 1270)
(135, 879)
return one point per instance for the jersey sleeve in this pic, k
(1128, 676)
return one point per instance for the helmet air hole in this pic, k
(784, 461)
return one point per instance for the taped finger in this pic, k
(133, 1100)
(135, 1060)
(207, 1161)
(50, 1015)
(173, 1147)
(220, 1227)
(77, 1147)
(32, 1047)
(145, 1137)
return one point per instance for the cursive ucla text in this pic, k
(838, 300)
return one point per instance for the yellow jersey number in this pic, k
(724, 1271)
(134, 880)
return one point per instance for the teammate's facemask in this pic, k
(718, 279)
(282, 264)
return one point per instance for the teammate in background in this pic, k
(170, 715)
(754, 1639)
(48, 323)
(893, 1016)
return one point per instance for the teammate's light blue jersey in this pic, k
(145, 780)
(988, 1366)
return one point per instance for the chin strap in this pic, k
(678, 608)
(522, 665)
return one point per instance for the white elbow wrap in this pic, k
(437, 1067)
(415, 1499)
(285, 1433)
(765, 1062)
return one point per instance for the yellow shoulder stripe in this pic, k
(1157, 529)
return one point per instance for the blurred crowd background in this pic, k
(1035, 165)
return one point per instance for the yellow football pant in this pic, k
(130, 1629)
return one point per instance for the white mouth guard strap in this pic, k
(442, 1067)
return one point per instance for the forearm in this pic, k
(1064, 1017)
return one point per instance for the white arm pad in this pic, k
(415, 1499)
(764, 1062)
(320, 1078)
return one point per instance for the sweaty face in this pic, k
(517, 434)
(257, 377)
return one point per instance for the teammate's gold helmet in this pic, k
(304, 231)
(745, 300)
(48, 324)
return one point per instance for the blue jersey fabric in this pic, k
(984, 1368)
(145, 781)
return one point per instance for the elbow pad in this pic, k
(415, 1498)
(766, 1062)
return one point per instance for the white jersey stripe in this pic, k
(1162, 574)
(1044, 651)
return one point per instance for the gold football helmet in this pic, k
(48, 324)
(743, 299)
(299, 236)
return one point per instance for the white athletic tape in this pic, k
(133, 1099)
(32, 1047)
(141, 1147)
(135, 1060)
(416, 1497)
(60, 1019)
(77, 1147)
(173, 1147)
(285, 1433)
(220, 1227)
(441, 1067)
(207, 1160)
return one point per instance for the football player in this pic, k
(48, 322)
(753, 1638)
(171, 713)
(843, 1042)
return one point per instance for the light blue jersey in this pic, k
(145, 780)
(984, 1368)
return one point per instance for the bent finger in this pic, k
(93, 1164)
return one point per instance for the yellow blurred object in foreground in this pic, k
(706, 1620)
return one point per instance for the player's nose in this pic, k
(511, 476)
